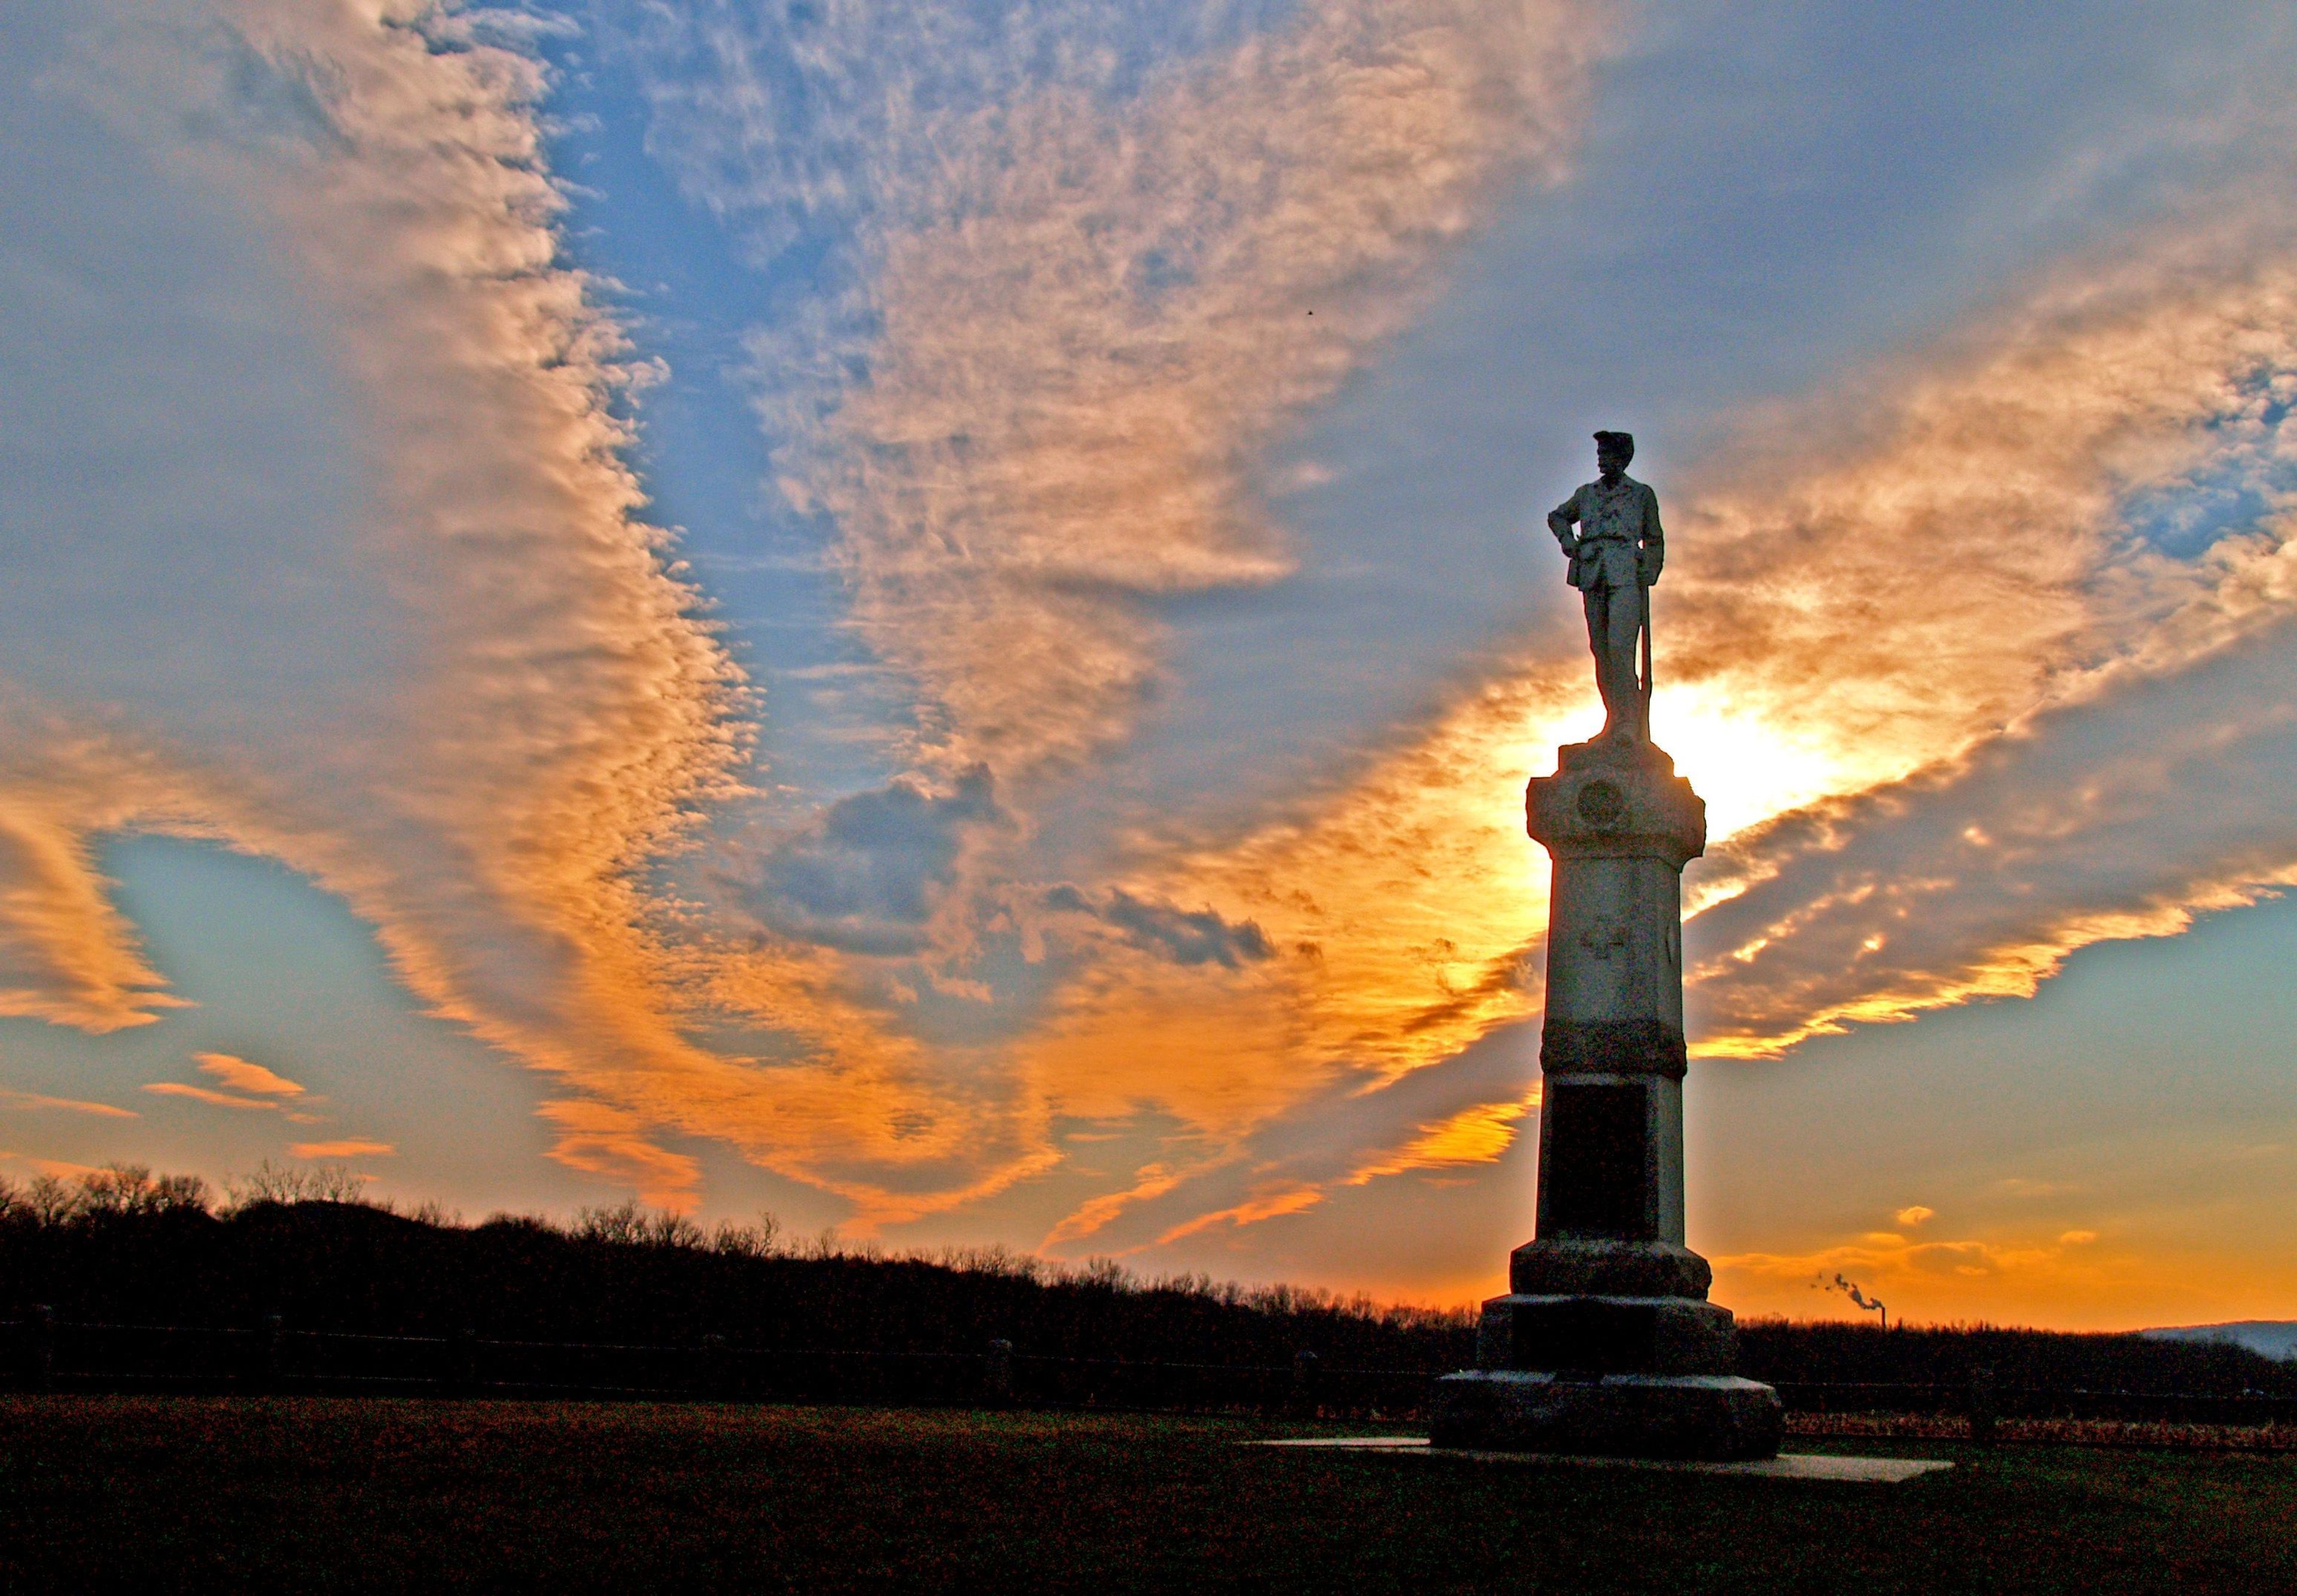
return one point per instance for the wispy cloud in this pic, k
(1099, 262)
(240, 1075)
(1941, 690)
(353, 1147)
(67, 954)
(1062, 399)
(62, 1169)
(1476, 1135)
(32, 1099)
(1957, 709)
(202, 1094)
(545, 711)
(1091, 287)
(2121, 817)
(2056, 731)
(1273, 1148)
(1152, 1180)
(251, 1087)
(1094, 320)
(1274, 1200)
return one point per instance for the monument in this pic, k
(1605, 1342)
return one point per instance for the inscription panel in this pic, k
(1598, 1176)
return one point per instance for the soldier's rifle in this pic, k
(1644, 589)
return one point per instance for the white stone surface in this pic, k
(1787, 1465)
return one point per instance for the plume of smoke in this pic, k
(1873, 1305)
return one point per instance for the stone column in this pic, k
(1605, 1342)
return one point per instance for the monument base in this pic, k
(1713, 1418)
(1606, 1335)
(1588, 1266)
(1605, 1343)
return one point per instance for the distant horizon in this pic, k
(336, 1184)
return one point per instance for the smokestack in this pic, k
(1871, 1304)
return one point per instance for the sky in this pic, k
(932, 618)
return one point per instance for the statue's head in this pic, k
(1613, 450)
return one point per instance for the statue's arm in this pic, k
(1651, 559)
(1560, 520)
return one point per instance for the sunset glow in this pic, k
(934, 618)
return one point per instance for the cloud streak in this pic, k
(1959, 708)
(32, 1099)
(240, 1075)
(1081, 338)
(355, 1147)
(2121, 817)
(1081, 323)
(541, 710)
(1940, 611)
(2075, 729)
(1094, 293)
(202, 1094)
(1109, 320)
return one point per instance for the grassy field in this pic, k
(318, 1495)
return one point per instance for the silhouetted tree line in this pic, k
(122, 1246)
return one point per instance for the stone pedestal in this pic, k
(1605, 1342)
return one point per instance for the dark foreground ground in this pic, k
(318, 1495)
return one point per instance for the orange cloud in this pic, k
(29, 1099)
(240, 1075)
(555, 712)
(1978, 879)
(601, 1139)
(351, 1148)
(1477, 1135)
(62, 1169)
(67, 955)
(1043, 442)
(1273, 1203)
(1410, 901)
(1804, 585)
(176, 1089)
(1897, 848)
(1153, 1180)
(1045, 437)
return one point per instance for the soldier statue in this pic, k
(1616, 554)
(1605, 1343)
